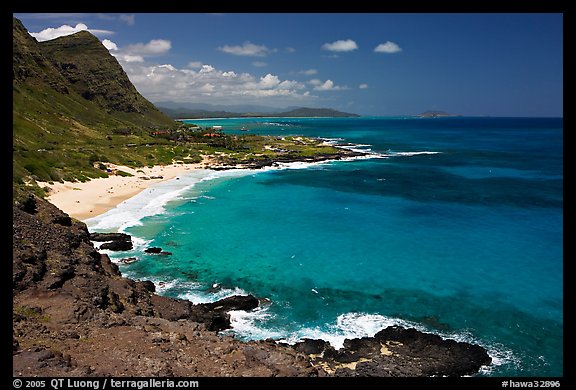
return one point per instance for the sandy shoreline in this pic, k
(95, 197)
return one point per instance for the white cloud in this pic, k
(139, 51)
(341, 46)
(315, 82)
(129, 19)
(108, 44)
(207, 69)
(52, 33)
(309, 72)
(328, 85)
(363, 86)
(195, 64)
(129, 57)
(290, 50)
(259, 64)
(269, 81)
(152, 48)
(209, 84)
(247, 49)
(387, 47)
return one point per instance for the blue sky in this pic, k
(497, 64)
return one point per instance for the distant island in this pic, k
(305, 112)
(434, 114)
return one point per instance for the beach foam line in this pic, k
(152, 200)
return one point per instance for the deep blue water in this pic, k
(464, 240)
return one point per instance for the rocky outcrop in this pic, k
(75, 315)
(157, 251)
(397, 351)
(262, 162)
(113, 241)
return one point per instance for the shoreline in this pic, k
(85, 200)
(97, 196)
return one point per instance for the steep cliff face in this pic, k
(95, 74)
(79, 64)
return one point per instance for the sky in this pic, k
(387, 64)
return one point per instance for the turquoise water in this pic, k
(454, 227)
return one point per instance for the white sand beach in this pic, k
(95, 197)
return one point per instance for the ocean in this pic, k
(453, 226)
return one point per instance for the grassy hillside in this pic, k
(73, 105)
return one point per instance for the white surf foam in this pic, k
(198, 295)
(409, 154)
(152, 200)
(252, 325)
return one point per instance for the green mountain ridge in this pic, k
(71, 100)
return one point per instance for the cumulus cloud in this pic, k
(363, 86)
(108, 44)
(139, 51)
(247, 49)
(259, 64)
(387, 47)
(328, 85)
(341, 46)
(207, 69)
(152, 48)
(308, 72)
(53, 33)
(209, 84)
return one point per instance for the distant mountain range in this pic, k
(434, 114)
(257, 111)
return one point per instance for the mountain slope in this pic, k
(96, 75)
(71, 101)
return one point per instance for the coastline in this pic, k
(85, 200)
(97, 196)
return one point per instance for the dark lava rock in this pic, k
(312, 346)
(110, 237)
(148, 285)
(215, 315)
(117, 241)
(235, 302)
(117, 245)
(153, 249)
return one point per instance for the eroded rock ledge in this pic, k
(75, 315)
